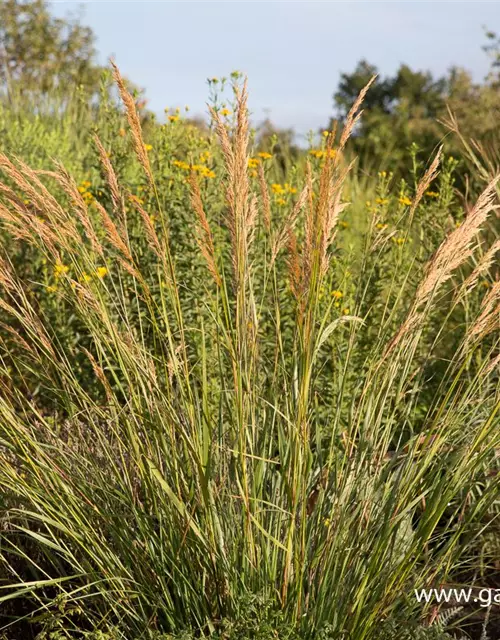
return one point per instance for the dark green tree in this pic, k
(378, 98)
(411, 106)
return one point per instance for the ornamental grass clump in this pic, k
(245, 439)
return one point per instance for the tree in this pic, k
(378, 98)
(39, 52)
(419, 90)
(397, 111)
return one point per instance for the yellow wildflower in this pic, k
(51, 289)
(86, 277)
(225, 112)
(322, 153)
(264, 155)
(253, 163)
(317, 153)
(181, 165)
(382, 201)
(277, 188)
(432, 194)
(326, 133)
(60, 269)
(337, 294)
(405, 201)
(121, 132)
(281, 202)
(173, 118)
(134, 198)
(148, 147)
(101, 272)
(381, 226)
(206, 172)
(345, 310)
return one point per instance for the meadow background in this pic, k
(249, 384)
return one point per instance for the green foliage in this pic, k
(414, 106)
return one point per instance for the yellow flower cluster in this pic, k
(404, 200)
(225, 112)
(134, 198)
(253, 163)
(100, 273)
(60, 269)
(279, 189)
(205, 172)
(180, 164)
(322, 153)
(381, 201)
(201, 169)
(84, 190)
(432, 194)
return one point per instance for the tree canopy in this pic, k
(40, 52)
(411, 106)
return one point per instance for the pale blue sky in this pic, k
(293, 52)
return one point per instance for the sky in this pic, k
(292, 52)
